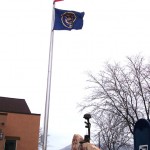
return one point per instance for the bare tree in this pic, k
(112, 133)
(122, 91)
(40, 143)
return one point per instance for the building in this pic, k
(19, 128)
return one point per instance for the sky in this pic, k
(112, 30)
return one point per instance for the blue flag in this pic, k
(68, 20)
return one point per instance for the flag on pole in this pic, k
(68, 20)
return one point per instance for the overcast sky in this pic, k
(113, 29)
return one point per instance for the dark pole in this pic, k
(88, 125)
(99, 139)
(89, 128)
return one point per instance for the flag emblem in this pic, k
(68, 18)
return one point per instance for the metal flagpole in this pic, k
(49, 75)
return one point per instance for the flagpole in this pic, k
(49, 76)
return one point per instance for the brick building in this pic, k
(19, 128)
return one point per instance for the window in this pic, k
(10, 145)
(143, 147)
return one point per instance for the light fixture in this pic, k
(1, 135)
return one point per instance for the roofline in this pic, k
(5, 113)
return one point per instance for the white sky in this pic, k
(113, 29)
